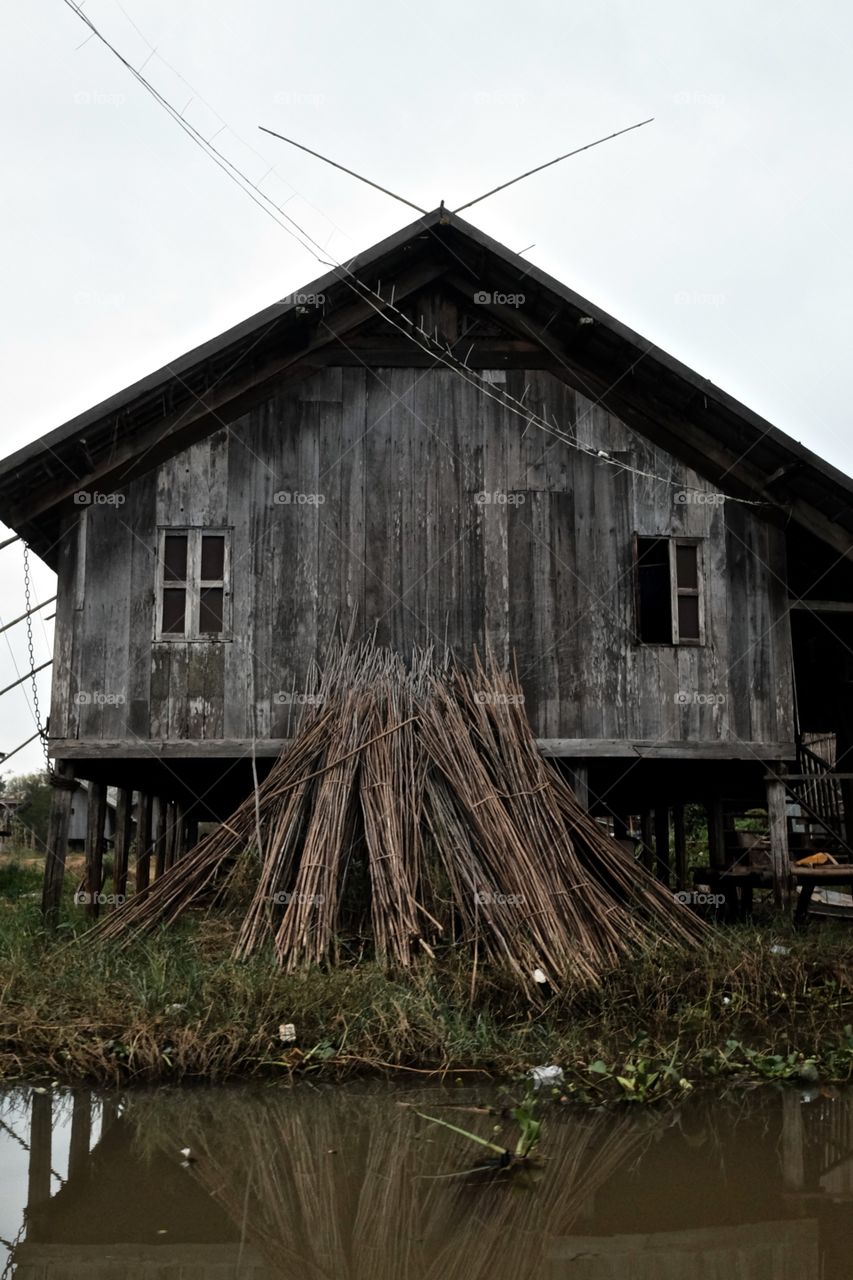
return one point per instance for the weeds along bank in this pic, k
(752, 1003)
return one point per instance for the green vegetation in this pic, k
(754, 1003)
(524, 1114)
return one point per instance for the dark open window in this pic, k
(193, 584)
(670, 602)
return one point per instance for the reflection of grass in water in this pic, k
(332, 1185)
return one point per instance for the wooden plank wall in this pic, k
(397, 537)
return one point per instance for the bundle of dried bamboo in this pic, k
(418, 791)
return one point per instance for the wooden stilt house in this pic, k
(444, 444)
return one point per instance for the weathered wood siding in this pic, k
(397, 537)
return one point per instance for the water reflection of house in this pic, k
(251, 1207)
(116, 1217)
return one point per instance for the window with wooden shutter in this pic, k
(193, 595)
(670, 592)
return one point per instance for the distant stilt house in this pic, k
(444, 444)
(9, 809)
(78, 823)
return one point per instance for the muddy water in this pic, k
(340, 1182)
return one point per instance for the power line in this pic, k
(363, 290)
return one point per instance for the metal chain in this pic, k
(48, 763)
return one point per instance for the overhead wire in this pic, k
(435, 350)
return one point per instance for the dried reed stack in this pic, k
(420, 788)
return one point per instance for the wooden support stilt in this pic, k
(81, 1131)
(780, 858)
(191, 832)
(679, 836)
(160, 834)
(579, 782)
(171, 834)
(109, 1114)
(716, 833)
(662, 842)
(41, 1132)
(57, 841)
(124, 815)
(647, 851)
(793, 1141)
(144, 817)
(96, 819)
(180, 846)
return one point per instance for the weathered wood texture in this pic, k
(96, 813)
(57, 843)
(355, 498)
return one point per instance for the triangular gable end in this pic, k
(438, 291)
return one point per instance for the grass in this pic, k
(755, 1003)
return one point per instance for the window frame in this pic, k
(674, 541)
(193, 585)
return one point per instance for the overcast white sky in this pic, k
(721, 232)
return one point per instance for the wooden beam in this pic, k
(81, 1131)
(680, 842)
(57, 842)
(780, 859)
(662, 842)
(96, 816)
(619, 748)
(143, 840)
(822, 606)
(180, 831)
(793, 1141)
(716, 833)
(41, 1133)
(160, 837)
(647, 849)
(124, 818)
(579, 748)
(579, 781)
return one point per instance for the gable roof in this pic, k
(216, 383)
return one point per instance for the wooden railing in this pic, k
(817, 789)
